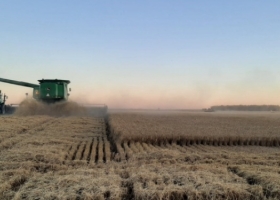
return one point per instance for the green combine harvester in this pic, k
(53, 90)
(3, 98)
(48, 90)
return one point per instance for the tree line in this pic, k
(245, 108)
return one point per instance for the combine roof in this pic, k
(53, 80)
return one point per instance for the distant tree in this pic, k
(246, 108)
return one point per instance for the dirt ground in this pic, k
(78, 157)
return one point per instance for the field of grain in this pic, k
(141, 155)
(197, 128)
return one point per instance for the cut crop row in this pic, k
(93, 152)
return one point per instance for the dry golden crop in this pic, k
(196, 128)
(43, 157)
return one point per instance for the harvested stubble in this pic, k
(100, 150)
(129, 152)
(78, 154)
(267, 177)
(94, 151)
(189, 182)
(40, 165)
(139, 147)
(196, 129)
(133, 147)
(86, 155)
(107, 150)
(33, 147)
(121, 152)
(72, 184)
(14, 129)
(72, 153)
(147, 148)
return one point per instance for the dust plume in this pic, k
(33, 107)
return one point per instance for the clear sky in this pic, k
(145, 54)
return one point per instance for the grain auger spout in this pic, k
(48, 90)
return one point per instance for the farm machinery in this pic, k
(50, 91)
(3, 98)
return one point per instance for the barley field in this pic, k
(141, 155)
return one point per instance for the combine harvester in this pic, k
(4, 108)
(3, 98)
(50, 91)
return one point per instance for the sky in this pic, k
(151, 54)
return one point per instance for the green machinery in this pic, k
(48, 90)
(3, 98)
(55, 90)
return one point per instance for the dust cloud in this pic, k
(33, 107)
